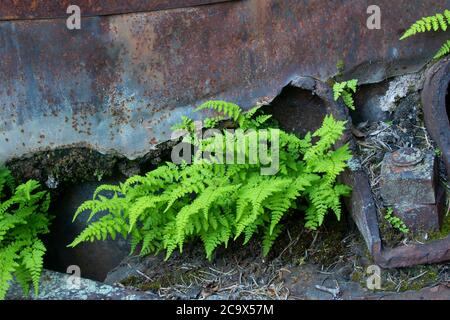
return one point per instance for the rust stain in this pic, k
(43, 9)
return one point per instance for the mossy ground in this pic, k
(244, 266)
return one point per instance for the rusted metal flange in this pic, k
(434, 95)
(361, 204)
(362, 207)
(363, 211)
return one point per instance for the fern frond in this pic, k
(443, 51)
(100, 230)
(213, 238)
(438, 22)
(346, 90)
(140, 206)
(348, 100)
(23, 217)
(217, 202)
(427, 24)
(23, 278)
(201, 204)
(256, 196)
(186, 124)
(269, 238)
(6, 180)
(108, 188)
(33, 260)
(229, 109)
(8, 265)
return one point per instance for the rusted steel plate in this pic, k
(434, 101)
(44, 9)
(121, 82)
(363, 211)
(439, 292)
(406, 256)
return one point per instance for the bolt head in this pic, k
(406, 157)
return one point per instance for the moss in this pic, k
(64, 165)
(77, 164)
(391, 237)
(410, 279)
(445, 230)
(131, 281)
(150, 286)
(322, 247)
(357, 276)
(141, 283)
(164, 280)
(340, 66)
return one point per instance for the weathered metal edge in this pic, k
(437, 82)
(33, 10)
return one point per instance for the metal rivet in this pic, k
(407, 157)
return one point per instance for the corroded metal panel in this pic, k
(436, 107)
(46, 9)
(119, 83)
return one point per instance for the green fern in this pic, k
(443, 51)
(23, 218)
(219, 203)
(438, 22)
(427, 24)
(346, 90)
(395, 222)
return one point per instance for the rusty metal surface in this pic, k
(434, 94)
(439, 292)
(363, 211)
(121, 82)
(406, 256)
(44, 9)
(414, 184)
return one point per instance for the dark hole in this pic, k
(94, 259)
(298, 110)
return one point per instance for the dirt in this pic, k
(74, 164)
(300, 261)
(239, 272)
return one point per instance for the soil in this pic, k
(238, 272)
(334, 257)
(64, 167)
